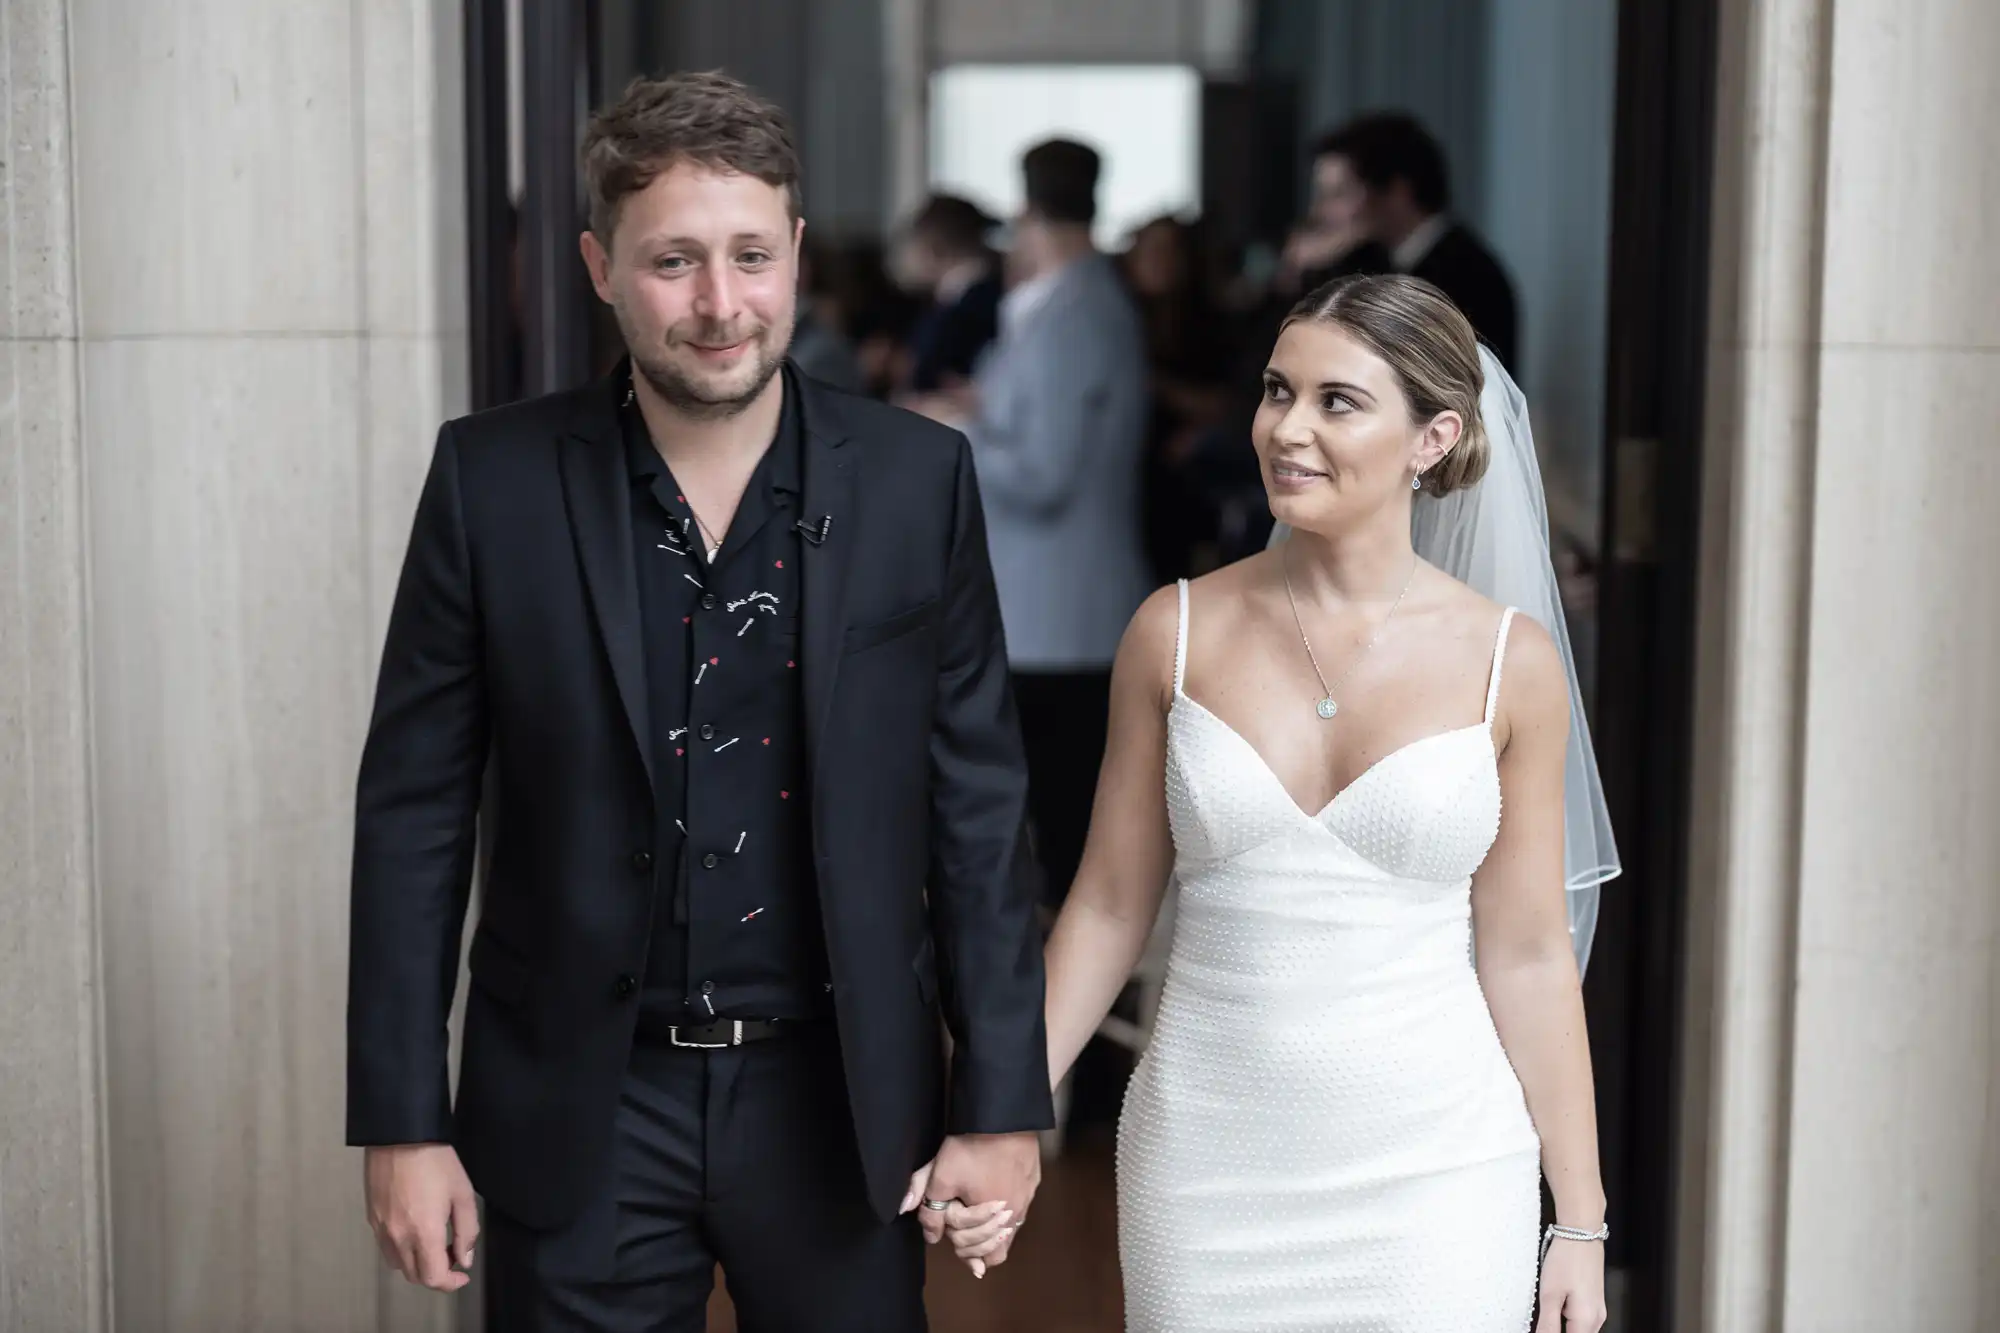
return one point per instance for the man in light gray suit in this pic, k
(1057, 423)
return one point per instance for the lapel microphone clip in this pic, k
(815, 532)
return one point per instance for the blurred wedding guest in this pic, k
(946, 259)
(1189, 351)
(1388, 175)
(879, 314)
(1057, 420)
(1331, 242)
(819, 344)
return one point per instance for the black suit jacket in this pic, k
(1461, 267)
(514, 642)
(949, 338)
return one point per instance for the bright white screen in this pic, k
(1144, 119)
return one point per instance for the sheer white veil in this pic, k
(1494, 537)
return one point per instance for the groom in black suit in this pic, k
(719, 647)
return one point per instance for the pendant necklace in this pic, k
(1326, 707)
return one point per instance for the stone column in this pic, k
(1843, 1138)
(235, 318)
(52, 1226)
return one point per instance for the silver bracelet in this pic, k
(1556, 1232)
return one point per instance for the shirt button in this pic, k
(708, 601)
(624, 986)
(711, 861)
(708, 988)
(707, 732)
(642, 861)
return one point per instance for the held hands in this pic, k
(987, 1182)
(421, 1207)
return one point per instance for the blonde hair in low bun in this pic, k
(1430, 346)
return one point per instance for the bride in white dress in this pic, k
(1353, 765)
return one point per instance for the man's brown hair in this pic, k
(708, 119)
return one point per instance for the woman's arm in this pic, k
(1111, 907)
(1521, 927)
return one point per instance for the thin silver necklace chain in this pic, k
(1326, 707)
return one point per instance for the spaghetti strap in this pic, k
(1499, 657)
(1180, 641)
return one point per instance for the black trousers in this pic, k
(743, 1157)
(1064, 716)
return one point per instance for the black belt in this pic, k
(724, 1033)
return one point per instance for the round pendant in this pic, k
(1326, 708)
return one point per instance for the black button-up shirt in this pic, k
(736, 928)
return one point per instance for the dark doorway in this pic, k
(535, 328)
(1663, 169)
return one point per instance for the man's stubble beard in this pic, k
(687, 395)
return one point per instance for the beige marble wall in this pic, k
(1841, 1145)
(235, 317)
(52, 1225)
(1895, 1126)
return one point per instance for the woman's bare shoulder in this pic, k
(1528, 647)
(1473, 620)
(1228, 586)
(1145, 659)
(1463, 604)
(1212, 598)
(1534, 684)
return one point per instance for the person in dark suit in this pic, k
(1387, 173)
(721, 648)
(945, 256)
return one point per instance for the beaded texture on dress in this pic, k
(1325, 1133)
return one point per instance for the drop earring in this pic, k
(1417, 482)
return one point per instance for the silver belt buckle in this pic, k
(735, 1034)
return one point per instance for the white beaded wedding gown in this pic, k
(1324, 1133)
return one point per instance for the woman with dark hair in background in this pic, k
(819, 341)
(875, 314)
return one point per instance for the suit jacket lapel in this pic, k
(829, 494)
(598, 492)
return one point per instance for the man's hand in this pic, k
(420, 1202)
(993, 1178)
(989, 1220)
(1312, 246)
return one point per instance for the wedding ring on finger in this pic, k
(937, 1205)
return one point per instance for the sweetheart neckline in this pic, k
(1182, 696)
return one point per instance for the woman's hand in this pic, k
(1572, 1288)
(980, 1234)
(977, 1234)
